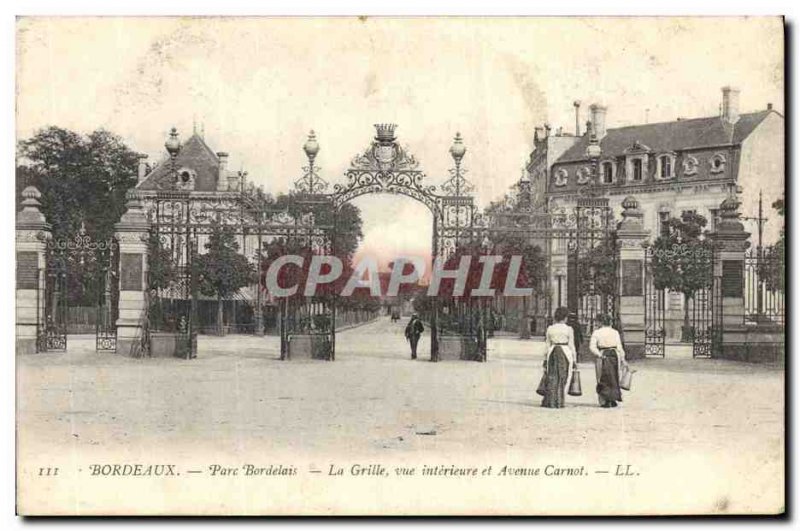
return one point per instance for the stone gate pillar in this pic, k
(631, 237)
(131, 233)
(730, 243)
(32, 233)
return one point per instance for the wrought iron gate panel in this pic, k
(704, 305)
(592, 263)
(74, 270)
(52, 326)
(108, 303)
(654, 311)
(173, 248)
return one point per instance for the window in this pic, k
(636, 174)
(185, 179)
(561, 177)
(608, 173)
(717, 163)
(665, 166)
(584, 175)
(690, 165)
(663, 223)
(714, 218)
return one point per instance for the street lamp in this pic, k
(310, 182)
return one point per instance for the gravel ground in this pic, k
(700, 435)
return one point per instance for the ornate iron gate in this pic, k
(654, 311)
(52, 326)
(705, 304)
(592, 266)
(172, 274)
(385, 167)
(108, 299)
(78, 272)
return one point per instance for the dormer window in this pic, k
(185, 179)
(637, 170)
(717, 163)
(666, 166)
(584, 175)
(690, 164)
(561, 177)
(607, 172)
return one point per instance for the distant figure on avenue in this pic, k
(414, 329)
(606, 346)
(558, 360)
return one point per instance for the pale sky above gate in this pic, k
(258, 85)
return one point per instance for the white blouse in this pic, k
(562, 335)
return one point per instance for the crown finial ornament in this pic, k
(384, 133)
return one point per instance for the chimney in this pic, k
(598, 117)
(537, 134)
(769, 106)
(577, 105)
(730, 105)
(142, 168)
(222, 178)
(235, 180)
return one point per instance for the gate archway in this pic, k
(385, 167)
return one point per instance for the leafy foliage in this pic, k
(83, 179)
(161, 270)
(772, 268)
(682, 260)
(681, 256)
(222, 269)
(598, 268)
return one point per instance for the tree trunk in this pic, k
(524, 325)
(686, 334)
(219, 317)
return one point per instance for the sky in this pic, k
(258, 85)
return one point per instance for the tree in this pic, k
(161, 270)
(83, 180)
(682, 260)
(222, 270)
(772, 266)
(347, 220)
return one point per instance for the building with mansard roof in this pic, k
(670, 168)
(196, 168)
(203, 175)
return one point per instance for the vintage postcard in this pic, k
(400, 266)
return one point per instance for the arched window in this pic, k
(608, 172)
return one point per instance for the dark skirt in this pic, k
(556, 379)
(608, 383)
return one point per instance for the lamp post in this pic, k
(311, 182)
(457, 151)
(173, 146)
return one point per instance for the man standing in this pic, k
(414, 329)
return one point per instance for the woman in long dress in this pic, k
(606, 346)
(559, 359)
